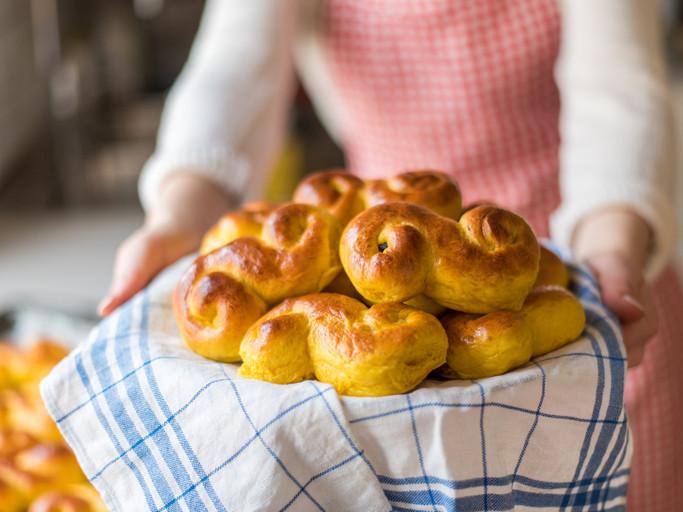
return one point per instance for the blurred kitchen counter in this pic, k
(60, 259)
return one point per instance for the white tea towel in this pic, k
(157, 427)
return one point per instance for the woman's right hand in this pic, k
(141, 257)
(174, 229)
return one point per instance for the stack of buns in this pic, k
(370, 286)
(38, 472)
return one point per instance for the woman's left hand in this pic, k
(614, 244)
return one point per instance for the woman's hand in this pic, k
(615, 243)
(187, 207)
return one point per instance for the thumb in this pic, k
(621, 285)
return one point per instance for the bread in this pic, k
(19, 365)
(71, 498)
(360, 351)
(551, 270)
(14, 441)
(53, 461)
(492, 344)
(24, 411)
(486, 261)
(11, 499)
(345, 195)
(247, 221)
(225, 291)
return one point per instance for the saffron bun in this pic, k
(486, 261)
(295, 252)
(492, 344)
(382, 350)
(551, 270)
(70, 498)
(345, 195)
(247, 221)
(53, 461)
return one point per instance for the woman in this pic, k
(556, 109)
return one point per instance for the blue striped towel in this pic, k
(156, 427)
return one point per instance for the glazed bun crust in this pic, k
(551, 270)
(492, 344)
(360, 351)
(337, 192)
(486, 261)
(434, 190)
(486, 346)
(345, 195)
(228, 289)
(247, 221)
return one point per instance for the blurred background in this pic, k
(82, 84)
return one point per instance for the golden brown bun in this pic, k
(555, 317)
(247, 221)
(338, 192)
(485, 262)
(345, 195)
(434, 190)
(551, 270)
(492, 344)
(228, 289)
(360, 351)
(343, 285)
(71, 498)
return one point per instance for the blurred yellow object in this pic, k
(38, 472)
(11, 500)
(492, 344)
(386, 349)
(53, 461)
(286, 172)
(71, 498)
(25, 412)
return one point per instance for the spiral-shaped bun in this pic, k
(228, 289)
(338, 192)
(386, 349)
(434, 190)
(71, 498)
(486, 261)
(247, 221)
(484, 346)
(345, 195)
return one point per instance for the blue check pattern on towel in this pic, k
(158, 428)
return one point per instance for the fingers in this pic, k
(136, 263)
(639, 333)
(141, 257)
(624, 292)
(621, 286)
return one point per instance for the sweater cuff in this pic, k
(653, 206)
(220, 165)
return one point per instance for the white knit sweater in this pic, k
(226, 115)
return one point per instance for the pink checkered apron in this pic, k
(467, 86)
